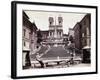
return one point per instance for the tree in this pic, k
(71, 39)
(65, 40)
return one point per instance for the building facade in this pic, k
(86, 38)
(45, 35)
(33, 37)
(86, 31)
(77, 36)
(28, 39)
(55, 28)
(82, 37)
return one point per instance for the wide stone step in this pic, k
(56, 52)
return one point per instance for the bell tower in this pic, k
(60, 20)
(60, 27)
(51, 27)
(51, 21)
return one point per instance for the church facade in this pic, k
(55, 33)
(55, 28)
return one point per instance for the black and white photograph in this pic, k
(53, 39)
(56, 39)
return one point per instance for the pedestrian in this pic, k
(71, 60)
(39, 60)
(27, 60)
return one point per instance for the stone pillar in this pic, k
(87, 31)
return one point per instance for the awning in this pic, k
(86, 47)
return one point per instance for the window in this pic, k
(50, 23)
(82, 34)
(24, 32)
(24, 44)
(59, 33)
(59, 22)
(87, 30)
(50, 33)
(30, 35)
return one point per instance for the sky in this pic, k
(41, 19)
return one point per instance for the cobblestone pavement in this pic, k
(60, 66)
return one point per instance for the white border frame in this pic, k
(37, 72)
